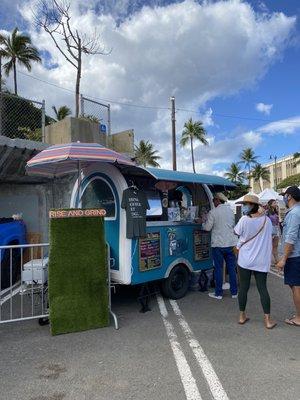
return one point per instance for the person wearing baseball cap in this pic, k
(290, 261)
(220, 221)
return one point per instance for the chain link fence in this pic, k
(96, 112)
(22, 118)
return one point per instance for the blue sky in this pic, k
(241, 85)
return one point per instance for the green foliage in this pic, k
(235, 174)
(20, 117)
(90, 118)
(78, 292)
(26, 133)
(145, 154)
(62, 112)
(259, 172)
(193, 130)
(296, 158)
(290, 181)
(17, 48)
(238, 192)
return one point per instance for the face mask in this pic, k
(286, 201)
(246, 208)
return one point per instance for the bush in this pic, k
(290, 181)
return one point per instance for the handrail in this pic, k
(23, 246)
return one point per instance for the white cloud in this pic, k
(284, 126)
(264, 108)
(196, 51)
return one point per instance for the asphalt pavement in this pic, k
(189, 349)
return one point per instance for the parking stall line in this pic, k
(188, 381)
(209, 373)
(276, 274)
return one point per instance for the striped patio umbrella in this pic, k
(59, 160)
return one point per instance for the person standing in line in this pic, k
(254, 256)
(290, 261)
(272, 213)
(220, 221)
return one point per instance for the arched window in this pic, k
(98, 194)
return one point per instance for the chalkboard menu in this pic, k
(150, 252)
(201, 245)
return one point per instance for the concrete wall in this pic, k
(73, 129)
(122, 142)
(34, 201)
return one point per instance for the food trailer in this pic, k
(173, 244)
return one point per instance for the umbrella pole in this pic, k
(79, 183)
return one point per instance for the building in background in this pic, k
(285, 167)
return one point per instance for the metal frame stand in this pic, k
(110, 287)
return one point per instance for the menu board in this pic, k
(150, 252)
(201, 245)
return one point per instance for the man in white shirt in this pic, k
(220, 221)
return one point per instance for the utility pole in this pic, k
(275, 170)
(0, 73)
(173, 120)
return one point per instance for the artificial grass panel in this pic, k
(78, 292)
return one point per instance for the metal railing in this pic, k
(22, 118)
(96, 112)
(23, 282)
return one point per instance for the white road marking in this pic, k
(209, 373)
(188, 381)
(276, 274)
(10, 295)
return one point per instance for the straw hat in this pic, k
(249, 198)
(220, 196)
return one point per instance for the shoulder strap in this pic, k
(253, 237)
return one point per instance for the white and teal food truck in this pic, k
(173, 244)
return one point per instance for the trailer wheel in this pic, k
(177, 283)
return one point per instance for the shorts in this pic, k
(292, 271)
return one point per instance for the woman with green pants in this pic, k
(254, 256)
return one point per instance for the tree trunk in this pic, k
(15, 77)
(193, 159)
(249, 176)
(78, 77)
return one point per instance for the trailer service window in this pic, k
(98, 194)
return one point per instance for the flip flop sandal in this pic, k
(243, 323)
(272, 326)
(291, 322)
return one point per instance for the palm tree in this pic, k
(235, 174)
(296, 159)
(248, 159)
(259, 172)
(193, 130)
(17, 48)
(146, 155)
(62, 112)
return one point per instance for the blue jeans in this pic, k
(219, 255)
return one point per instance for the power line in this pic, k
(126, 104)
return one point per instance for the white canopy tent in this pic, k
(269, 194)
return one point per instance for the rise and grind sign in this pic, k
(77, 213)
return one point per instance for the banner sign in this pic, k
(150, 252)
(201, 245)
(77, 213)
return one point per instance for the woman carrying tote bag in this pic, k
(254, 256)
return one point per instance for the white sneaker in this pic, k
(213, 296)
(234, 296)
(226, 286)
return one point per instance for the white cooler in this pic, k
(35, 271)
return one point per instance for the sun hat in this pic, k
(220, 196)
(249, 198)
(294, 191)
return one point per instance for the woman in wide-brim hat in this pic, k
(254, 256)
